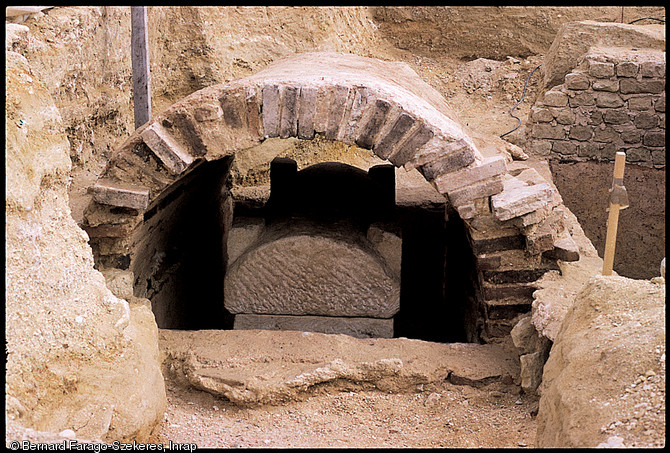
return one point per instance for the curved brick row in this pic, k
(381, 106)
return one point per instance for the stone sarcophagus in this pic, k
(324, 257)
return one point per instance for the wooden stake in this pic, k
(140, 62)
(613, 218)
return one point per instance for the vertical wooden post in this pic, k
(140, 60)
(613, 218)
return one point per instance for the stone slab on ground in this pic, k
(251, 367)
(356, 327)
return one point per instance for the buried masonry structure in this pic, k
(163, 207)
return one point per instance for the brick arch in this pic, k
(376, 105)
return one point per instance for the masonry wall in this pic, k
(614, 100)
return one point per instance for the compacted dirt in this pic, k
(439, 415)
(298, 389)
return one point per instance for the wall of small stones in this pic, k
(614, 100)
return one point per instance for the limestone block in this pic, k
(565, 249)
(389, 246)
(532, 366)
(308, 270)
(120, 282)
(451, 181)
(516, 200)
(555, 98)
(120, 194)
(484, 188)
(355, 327)
(526, 338)
(627, 69)
(630, 86)
(606, 85)
(601, 69)
(173, 155)
(244, 232)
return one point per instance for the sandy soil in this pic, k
(436, 415)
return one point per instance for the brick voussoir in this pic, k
(171, 153)
(306, 112)
(120, 194)
(484, 188)
(388, 141)
(474, 173)
(271, 108)
(253, 102)
(357, 106)
(410, 146)
(336, 111)
(288, 123)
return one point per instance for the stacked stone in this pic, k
(613, 101)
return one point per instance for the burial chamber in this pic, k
(162, 209)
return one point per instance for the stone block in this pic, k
(542, 236)
(467, 211)
(658, 156)
(645, 120)
(172, 154)
(355, 327)
(605, 85)
(608, 100)
(654, 138)
(638, 154)
(231, 107)
(450, 162)
(119, 282)
(541, 115)
(244, 232)
(564, 147)
(630, 135)
(640, 102)
(588, 149)
(271, 110)
(540, 148)
(601, 69)
(306, 112)
(577, 81)
(411, 145)
(596, 117)
(120, 194)
(483, 188)
(627, 69)
(309, 270)
(633, 86)
(519, 296)
(389, 246)
(565, 116)
(288, 123)
(375, 121)
(555, 98)
(581, 133)
(565, 249)
(516, 201)
(526, 338)
(616, 116)
(388, 142)
(652, 69)
(548, 131)
(582, 98)
(336, 112)
(489, 167)
(531, 369)
(605, 134)
(659, 104)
